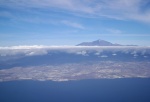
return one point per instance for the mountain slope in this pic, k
(98, 43)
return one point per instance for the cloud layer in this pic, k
(43, 50)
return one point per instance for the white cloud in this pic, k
(145, 56)
(82, 53)
(83, 50)
(104, 56)
(114, 54)
(97, 53)
(116, 9)
(72, 24)
(37, 52)
(24, 47)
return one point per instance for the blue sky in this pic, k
(69, 22)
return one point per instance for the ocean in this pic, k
(92, 90)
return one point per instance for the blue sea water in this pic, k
(97, 90)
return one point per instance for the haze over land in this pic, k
(63, 63)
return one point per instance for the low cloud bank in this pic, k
(43, 50)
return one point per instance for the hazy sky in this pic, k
(69, 22)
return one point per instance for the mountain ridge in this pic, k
(100, 42)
